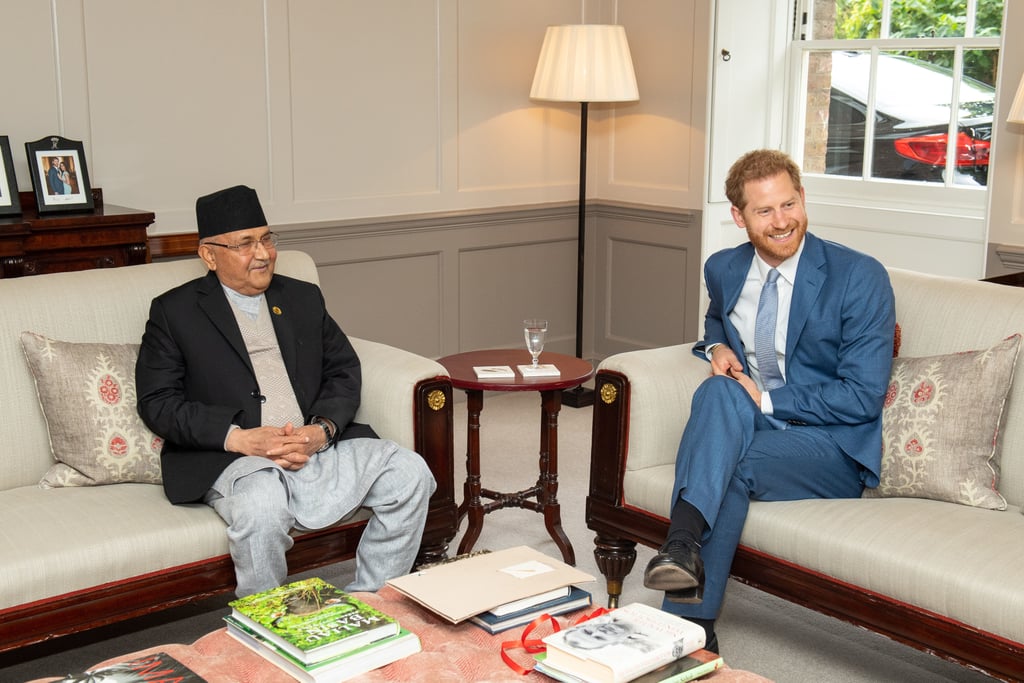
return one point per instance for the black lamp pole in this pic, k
(580, 396)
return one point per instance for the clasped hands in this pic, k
(288, 446)
(725, 362)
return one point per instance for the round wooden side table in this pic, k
(543, 496)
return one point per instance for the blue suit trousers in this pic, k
(731, 454)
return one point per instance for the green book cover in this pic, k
(313, 620)
(268, 649)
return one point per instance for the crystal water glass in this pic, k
(535, 329)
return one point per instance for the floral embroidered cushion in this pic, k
(87, 394)
(940, 424)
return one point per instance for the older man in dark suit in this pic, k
(254, 388)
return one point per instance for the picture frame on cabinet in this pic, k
(10, 203)
(60, 176)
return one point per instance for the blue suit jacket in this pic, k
(53, 179)
(839, 341)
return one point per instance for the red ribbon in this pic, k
(536, 645)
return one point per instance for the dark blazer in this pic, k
(194, 377)
(838, 347)
(54, 181)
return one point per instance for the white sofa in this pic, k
(78, 557)
(942, 577)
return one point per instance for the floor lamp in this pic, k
(583, 63)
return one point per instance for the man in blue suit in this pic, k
(53, 177)
(793, 407)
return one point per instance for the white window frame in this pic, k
(950, 199)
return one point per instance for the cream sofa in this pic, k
(942, 577)
(78, 557)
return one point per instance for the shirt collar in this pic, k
(787, 269)
(250, 305)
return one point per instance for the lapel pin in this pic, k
(276, 310)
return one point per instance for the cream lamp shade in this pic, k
(585, 63)
(1016, 114)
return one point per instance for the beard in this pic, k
(775, 252)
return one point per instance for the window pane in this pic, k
(862, 19)
(977, 107)
(844, 19)
(909, 139)
(988, 18)
(913, 104)
(936, 19)
(836, 109)
(982, 65)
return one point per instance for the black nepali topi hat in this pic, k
(236, 208)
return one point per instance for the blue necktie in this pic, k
(764, 334)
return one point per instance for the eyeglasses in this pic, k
(269, 241)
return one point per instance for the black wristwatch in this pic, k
(324, 425)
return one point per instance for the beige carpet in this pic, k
(758, 632)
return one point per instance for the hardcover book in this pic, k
(623, 644)
(334, 669)
(688, 668)
(492, 623)
(525, 603)
(158, 666)
(312, 620)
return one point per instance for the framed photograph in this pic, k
(9, 202)
(60, 176)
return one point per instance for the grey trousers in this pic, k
(261, 503)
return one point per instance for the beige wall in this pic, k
(366, 124)
(356, 108)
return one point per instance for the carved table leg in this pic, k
(615, 558)
(551, 403)
(431, 554)
(472, 506)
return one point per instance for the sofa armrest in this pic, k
(408, 398)
(643, 404)
(390, 378)
(661, 383)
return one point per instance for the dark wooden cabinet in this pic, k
(105, 237)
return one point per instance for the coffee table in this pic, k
(450, 653)
(542, 497)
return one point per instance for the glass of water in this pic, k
(535, 330)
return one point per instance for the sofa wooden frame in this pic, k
(620, 527)
(102, 605)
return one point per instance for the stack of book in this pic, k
(510, 581)
(636, 642)
(523, 611)
(316, 632)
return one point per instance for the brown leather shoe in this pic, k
(678, 570)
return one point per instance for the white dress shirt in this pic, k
(744, 315)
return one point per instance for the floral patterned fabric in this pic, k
(87, 394)
(940, 425)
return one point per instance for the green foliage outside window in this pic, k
(861, 19)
